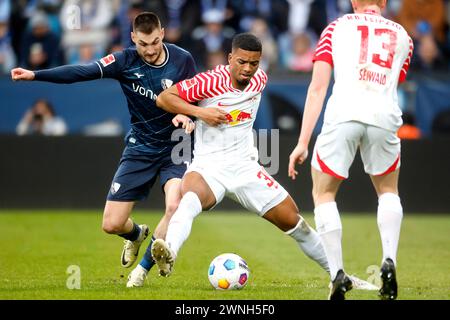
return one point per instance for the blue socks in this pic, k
(133, 234)
(147, 261)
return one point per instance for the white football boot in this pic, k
(137, 277)
(130, 250)
(360, 284)
(163, 256)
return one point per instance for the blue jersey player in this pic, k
(143, 72)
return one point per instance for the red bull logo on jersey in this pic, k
(237, 116)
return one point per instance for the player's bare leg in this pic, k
(287, 218)
(389, 219)
(116, 220)
(329, 227)
(197, 196)
(172, 191)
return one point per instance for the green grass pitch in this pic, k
(39, 246)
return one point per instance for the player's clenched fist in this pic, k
(22, 74)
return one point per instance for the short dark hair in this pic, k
(146, 22)
(246, 41)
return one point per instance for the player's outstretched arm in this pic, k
(170, 101)
(62, 74)
(19, 74)
(314, 102)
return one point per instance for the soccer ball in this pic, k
(228, 271)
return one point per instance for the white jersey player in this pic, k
(370, 55)
(225, 161)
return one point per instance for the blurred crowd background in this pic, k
(38, 34)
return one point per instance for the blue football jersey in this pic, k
(141, 83)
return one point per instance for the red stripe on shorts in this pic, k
(391, 168)
(327, 170)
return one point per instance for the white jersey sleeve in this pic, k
(370, 56)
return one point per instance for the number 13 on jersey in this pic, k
(385, 50)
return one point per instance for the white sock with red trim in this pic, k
(329, 227)
(389, 218)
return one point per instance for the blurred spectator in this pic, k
(214, 59)
(299, 11)
(425, 22)
(269, 56)
(7, 56)
(307, 15)
(274, 12)
(301, 58)
(5, 10)
(41, 119)
(428, 54)
(179, 18)
(413, 12)
(337, 8)
(297, 50)
(18, 23)
(86, 23)
(392, 9)
(39, 44)
(122, 24)
(211, 37)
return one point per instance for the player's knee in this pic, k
(111, 226)
(290, 222)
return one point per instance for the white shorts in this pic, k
(337, 144)
(245, 182)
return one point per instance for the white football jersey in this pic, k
(213, 89)
(370, 55)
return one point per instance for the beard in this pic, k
(243, 82)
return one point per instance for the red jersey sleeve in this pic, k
(405, 67)
(324, 49)
(198, 88)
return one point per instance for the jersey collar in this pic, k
(370, 11)
(162, 64)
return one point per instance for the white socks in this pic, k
(181, 222)
(309, 241)
(389, 218)
(328, 225)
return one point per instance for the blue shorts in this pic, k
(137, 174)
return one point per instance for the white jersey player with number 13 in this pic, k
(370, 55)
